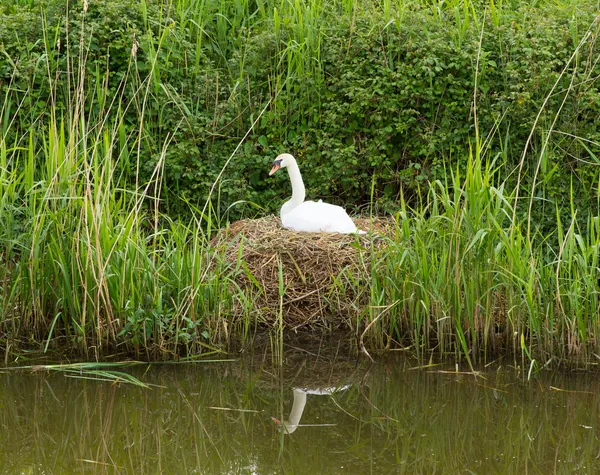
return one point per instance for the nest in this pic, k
(321, 274)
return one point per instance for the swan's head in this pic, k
(282, 161)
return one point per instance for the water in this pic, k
(223, 418)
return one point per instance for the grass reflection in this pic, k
(218, 419)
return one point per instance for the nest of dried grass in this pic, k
(323, 274)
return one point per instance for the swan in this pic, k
(309, 216)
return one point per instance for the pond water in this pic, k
(249, 416)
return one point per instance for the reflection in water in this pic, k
(216, 418)
(293, 421)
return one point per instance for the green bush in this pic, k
(359, 94)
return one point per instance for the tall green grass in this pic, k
(89, 262)
(462, 276)
(94, 263)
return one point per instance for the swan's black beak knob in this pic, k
(276, 166)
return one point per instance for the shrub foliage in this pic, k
(359, 92)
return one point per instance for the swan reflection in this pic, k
(300, 396)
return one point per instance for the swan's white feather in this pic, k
(315, 217)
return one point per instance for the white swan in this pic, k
(309, 216)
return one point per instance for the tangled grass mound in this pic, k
(308, 278)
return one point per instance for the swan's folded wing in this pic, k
(318, 217)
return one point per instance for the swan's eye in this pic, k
(276, 166)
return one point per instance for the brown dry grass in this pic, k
(315, 268)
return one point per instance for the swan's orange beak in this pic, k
(276, 166)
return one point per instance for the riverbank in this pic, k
(455, 276)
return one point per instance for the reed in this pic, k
(91, 262)
(92, 259)
(460, 276)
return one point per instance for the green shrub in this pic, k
(358, 93)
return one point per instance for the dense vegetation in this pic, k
(474, 121)
(357, 90)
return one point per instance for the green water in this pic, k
(222, 418)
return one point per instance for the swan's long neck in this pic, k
(296, 413)
(298, 190)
